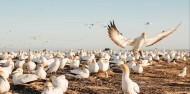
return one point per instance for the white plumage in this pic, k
(122, 41)
(4, 84)
(20, 78)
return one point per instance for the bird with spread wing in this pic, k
(122, 41)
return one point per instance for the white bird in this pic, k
(10, 62)
(131, 64)
(183, 72)
(7, 70)
(122, 41)
(63, 62)
(30, 65)
(128, 86)
(20, 78)
(4, 84)
(103, 64)
(81, 73)
(54, 66)
(40, 72)
(49, 89)
(138, 68)
(19, 63)
(60, 82)
(74, 63)
(93, 66)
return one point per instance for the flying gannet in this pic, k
(122, 41)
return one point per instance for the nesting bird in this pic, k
(20, 78)
(49, 89)
(40, 72)
(4, 84)
(60, 82)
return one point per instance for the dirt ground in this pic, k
(160, 78)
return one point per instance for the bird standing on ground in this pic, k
(122, 41)
(4, 84)
(183, 72)
(128, 86)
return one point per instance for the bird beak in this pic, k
(2, 77)
(14, 72)
(47, 88)
(119, 63)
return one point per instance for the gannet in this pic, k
(54, 66)
(30, 65)
(93, 66)
(4, 84)
(128, 86)
(60, 82)
(63, 62)
(49, 89)
(40, 72)
(103, 64)
(183, 72)
(122, 41)
(20, 78)
(75, 63)
(81, 73)
(138, 68)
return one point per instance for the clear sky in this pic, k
(61, 24)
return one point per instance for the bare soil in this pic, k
(160, 78)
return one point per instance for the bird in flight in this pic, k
(137, 43)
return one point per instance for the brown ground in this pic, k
(160, 78)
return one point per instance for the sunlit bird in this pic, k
(122, 41)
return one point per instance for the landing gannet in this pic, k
(122, 41)
(128, 86)
(20, 78)
(4, 84)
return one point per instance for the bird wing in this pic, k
(136, 87)
(28, 78)
(117, 37)
(160, 36)
(76, 71)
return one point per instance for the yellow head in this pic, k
(124, 68)
(144, 35)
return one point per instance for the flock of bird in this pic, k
(27, 67)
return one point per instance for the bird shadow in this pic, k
(22, 89)
(177, 84)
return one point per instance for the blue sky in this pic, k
(62, 23)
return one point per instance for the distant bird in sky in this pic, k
(122, 41)
(45, 41)
(104, 26)
(148, 23)
(92, 24)
(35, 37)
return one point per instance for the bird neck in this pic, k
(125, 75)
